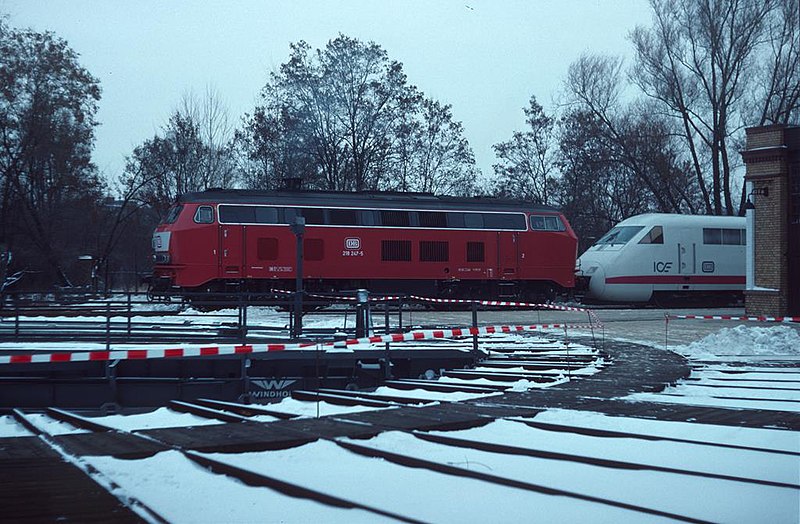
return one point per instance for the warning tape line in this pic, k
(139, 354)
(731, 317)
(451, 301)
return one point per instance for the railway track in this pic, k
(416, 450)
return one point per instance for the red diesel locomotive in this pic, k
(221, 240)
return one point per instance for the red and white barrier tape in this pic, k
(139, 354)
(731, 317)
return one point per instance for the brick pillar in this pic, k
(766, 160)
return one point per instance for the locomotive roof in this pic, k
(388, 200)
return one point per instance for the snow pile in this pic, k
(743, 340)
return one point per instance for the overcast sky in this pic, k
(484, 57)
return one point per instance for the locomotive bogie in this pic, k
(662, 255)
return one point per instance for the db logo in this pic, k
(352, 243)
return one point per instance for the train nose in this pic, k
(597, 280)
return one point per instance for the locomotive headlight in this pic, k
(161, 258)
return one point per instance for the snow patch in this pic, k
(745, 340)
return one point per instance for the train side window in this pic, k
(287, 215)
(313, 249)
(395, 218)
(455, 220)
(504, 221)
(724, 236)
(654, 236)
(473, 220)
(204, 215)
(475, 252)
(732, 237)
(712, 236)
(237, 214)
(367, 218)
(173, 214)
(313, 215)
(343, 217)
(266, 215)
(267, 248)
(434, 251)
(432, 219)
(396, 250)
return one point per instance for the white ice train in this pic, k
(663, 256)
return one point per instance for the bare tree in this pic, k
(594, 84)
(527, 162)
(697, 61)
(47, 118)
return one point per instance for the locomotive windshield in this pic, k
(172, 214)
(619, 235)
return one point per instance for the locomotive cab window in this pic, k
(654, 236)
(547, 223)
(204, 215)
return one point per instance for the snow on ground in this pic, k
(767, 439)
(417, 493)
(159, 418)
(303, 408)
(742, 341)
(11, 428)
(181, 491)
(727, 383)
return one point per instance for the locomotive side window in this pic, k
(455, 220)
(504, 221)
(237, 214)
(395, 218)
(204, 215)
(173, 214)
(266, 215)
(475, 252)
(396, 250)
(473, 220)
(267, 249)
(368, 218)
(313, 249)
(654, 236)
(432, 219)
(313, 215)
(547, 223)
(433, 251)
(343, 217)
(725, 237)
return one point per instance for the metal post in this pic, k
(130, 314)
(243, 314)
(400, 314)
(298, 228)
(245, 396)
(362, 313)
(108, 326)
(475, 325)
